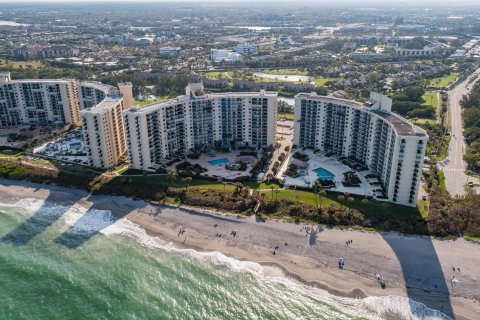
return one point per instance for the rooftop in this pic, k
(402, 126)
(99, 86)
(167, 103)
(105, 105)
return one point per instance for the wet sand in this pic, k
(416, 267)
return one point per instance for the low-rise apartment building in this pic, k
(59, 51)
(219, 55)
(247, 49)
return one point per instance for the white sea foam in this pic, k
(80, 219)
(403, 307)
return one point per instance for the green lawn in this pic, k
(430, 99)
(213, 75)
(12, 64)
(370, 209)
(444, 81)
(321, 81)
(146, 102)
(423, 206)
(421, 121)
(286, 72)
(288, 116)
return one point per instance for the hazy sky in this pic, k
(358, 2)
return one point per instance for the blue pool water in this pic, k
(324, 174)
(218, 161)
(4, 135)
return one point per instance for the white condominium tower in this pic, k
(38, 102)
(368, 133)
(199, 121)
(104, 132)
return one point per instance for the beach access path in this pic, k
(417, 267)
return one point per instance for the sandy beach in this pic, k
(417, 267)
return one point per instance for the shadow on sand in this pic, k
(422, 273)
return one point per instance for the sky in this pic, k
(360, 2)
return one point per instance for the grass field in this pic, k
(430, 98)
(422, 121)
(143, 103)
(296, 72)
(12, 64)
(444, 81)
(370, 209)
(321, 81)
(288, 116)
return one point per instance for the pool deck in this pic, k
(219, 170)
(318, 160)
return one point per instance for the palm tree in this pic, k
(276, 194)
(238, 187)
(172, 175)
(341, 198)
(350, 199)
(269, 177)
(317, 186)
(322, 193)
(187, 180)
(273, 188)
(224, 186)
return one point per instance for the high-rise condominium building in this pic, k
(91, 93)
(199, 121)
(38, 102)
(104, 132)
(370, 134)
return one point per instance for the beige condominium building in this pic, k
(198, 122)
(368, 133)
(104, 133)
(38, 101)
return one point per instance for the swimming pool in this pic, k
(218, 161)
(324, 174)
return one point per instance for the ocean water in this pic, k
(59, 263)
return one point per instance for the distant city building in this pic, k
(27, 52)
(427, 50)
(198, 121)
(225, 55)
(37, 102)
(247, 49)
(59, 51)
(170, 51)
(411, 28)
(389, 146)
(285, 40)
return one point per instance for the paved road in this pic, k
(453, 166)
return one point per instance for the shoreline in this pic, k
(310, 259)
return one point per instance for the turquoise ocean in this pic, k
(77, 264)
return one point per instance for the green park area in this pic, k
(444, 81)
(141, 103)
(281, 73)
(14, 64)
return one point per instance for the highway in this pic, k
(453, 166)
